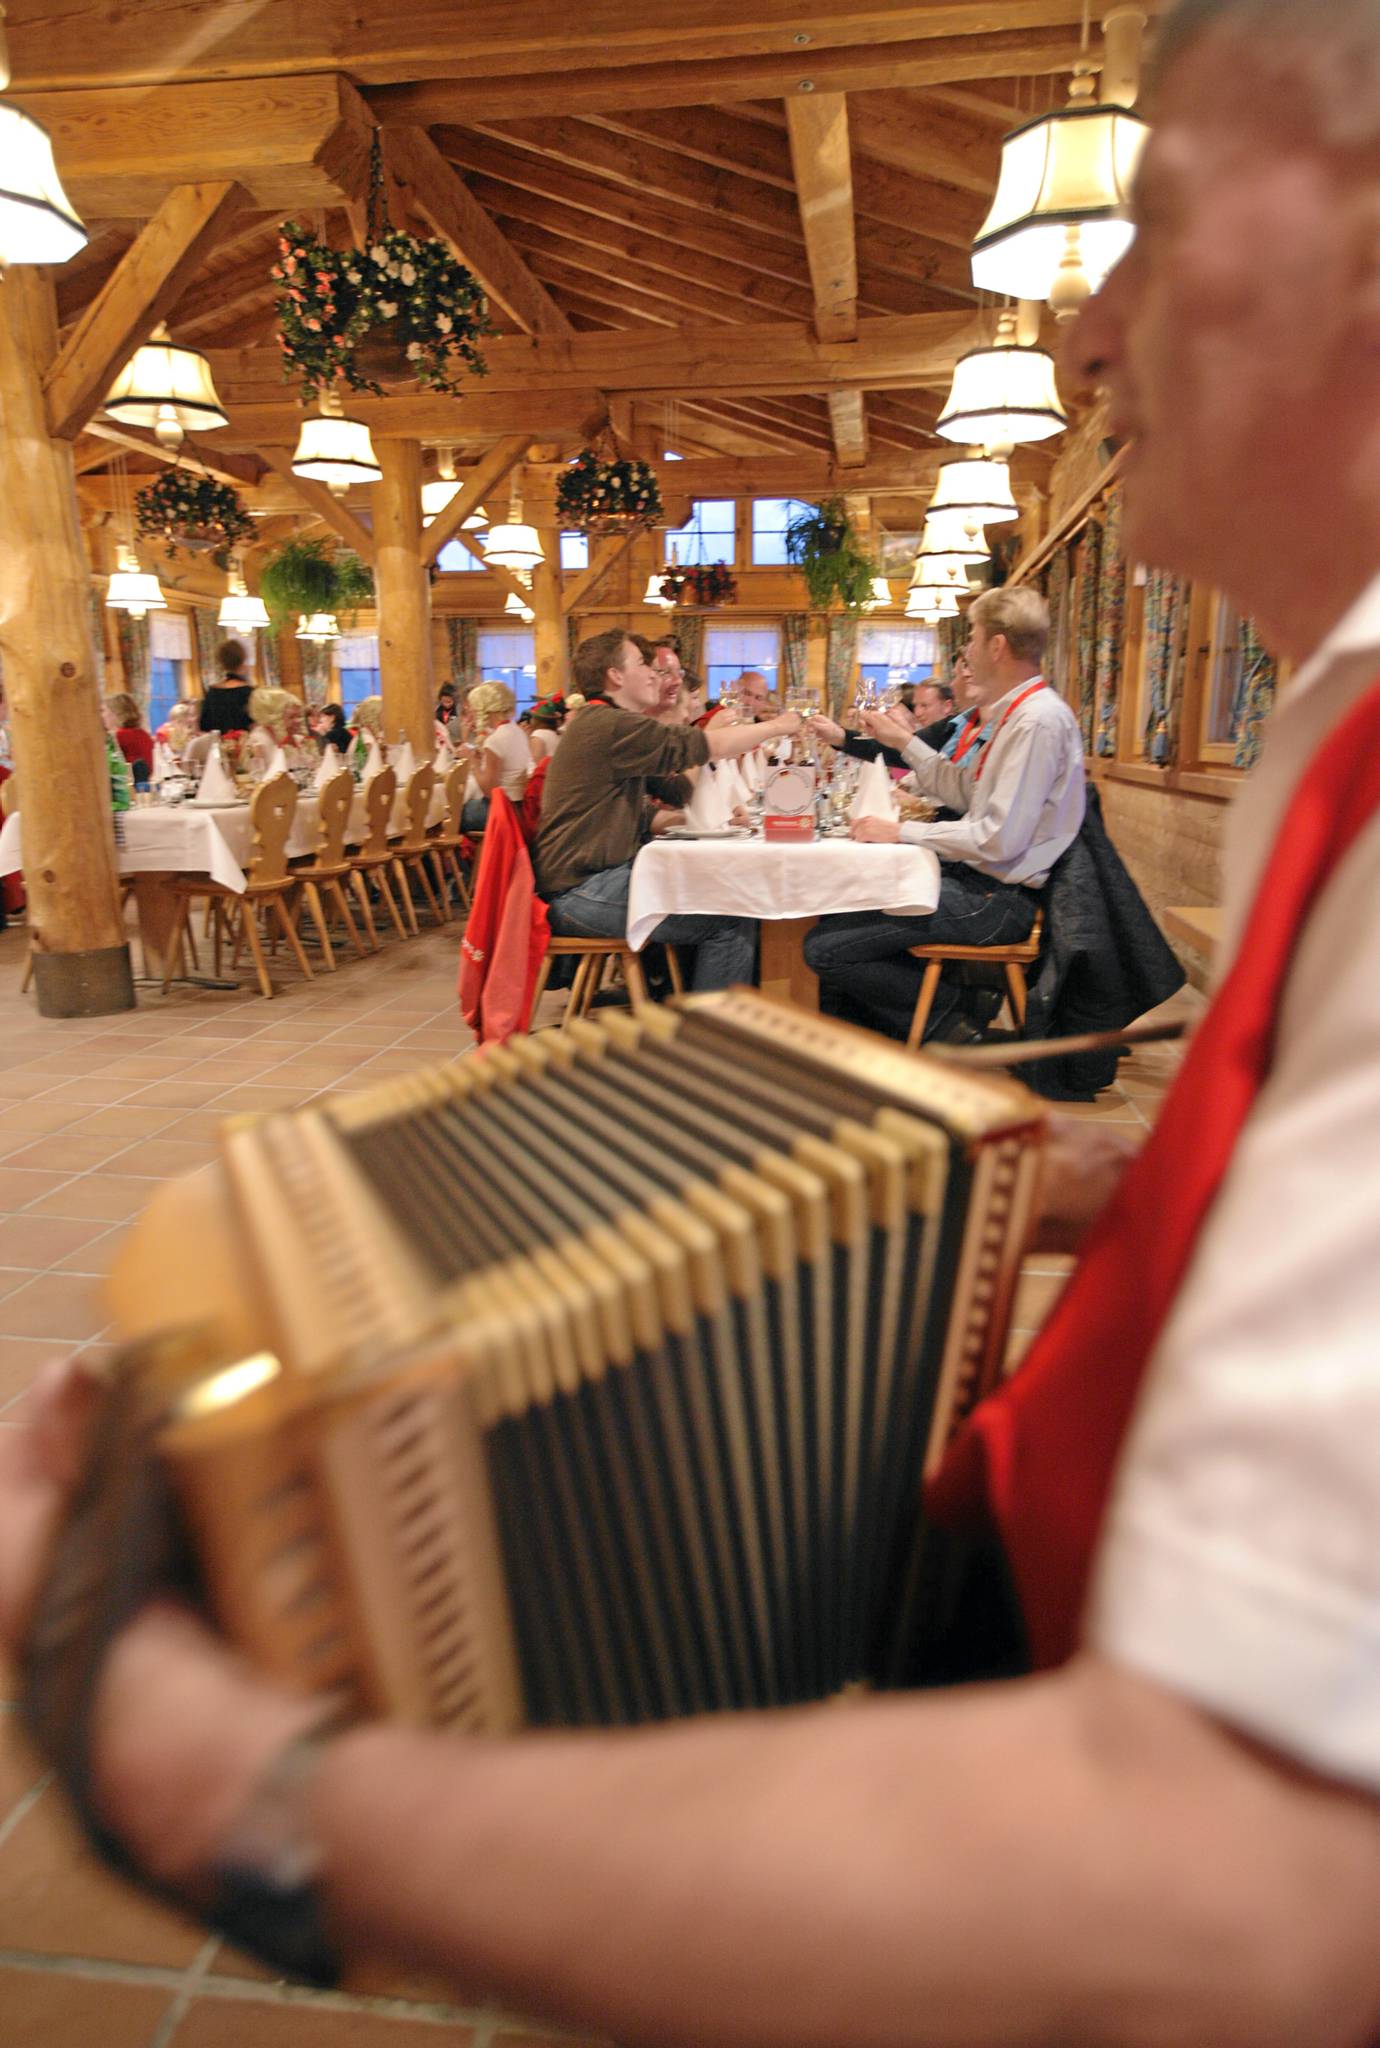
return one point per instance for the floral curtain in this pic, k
(1166, 621)
(1259, 675)
(950, 636)
(134, 656)
(209, 637)
(462, 647)
(316, 672)
(795, 630)
(839, 662)
(689, 632)
(1060, 581)
(1089, 598)
(268, 664)
(98, 638)
(1111, 629)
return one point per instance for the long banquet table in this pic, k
(788, 888)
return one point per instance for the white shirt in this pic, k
(1241, 1560)
(1025, 808)
(509, 744)
(543, 742)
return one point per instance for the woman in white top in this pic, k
(501, 758)
(544, 732)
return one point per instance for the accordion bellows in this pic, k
(593, 1381)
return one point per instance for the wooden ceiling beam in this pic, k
(217, 296)
(506, 581)
(678, 80)
(488, 473)
(245, 472)
(821, 154)
(848, 424)
(692, 287)
(457, 216)
(749, 433)
(914, 133)
(318, 500)
(144, 286)
(603, 555)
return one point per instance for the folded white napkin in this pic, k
(216, 785)
(373, 757)
(277, 764)
(405, 762)
(708, 808)
(330, 766)
(782, 750)
(876, 793)
(444, 761)
(753, 768)
(164, 763)
(729, 777)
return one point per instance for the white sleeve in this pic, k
(1241, 1558)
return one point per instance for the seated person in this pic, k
(615, 763)
(279, 720)
(544, 731)
(747, 700)
(935, 709)
(328, 725)
(124, 719)
(500, 757)
(1019, 797)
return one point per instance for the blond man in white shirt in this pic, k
(1175, 1839)
(1021, 799)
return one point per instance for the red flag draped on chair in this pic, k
(506, 932)
(1037, 1458)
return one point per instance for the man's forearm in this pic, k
(949, 785)
(1074, 1860)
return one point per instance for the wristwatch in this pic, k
(263, 1893)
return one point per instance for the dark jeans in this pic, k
(475, 815)
(862, 958)
(725, 947)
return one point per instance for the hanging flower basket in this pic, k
(398, 308)
(194, 513)
(601, 493)
(700, 589)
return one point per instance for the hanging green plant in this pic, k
(306, 576)
(826, 550)
(601, 492)
(193, 512)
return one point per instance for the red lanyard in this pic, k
(970, 733)
(1014, 705)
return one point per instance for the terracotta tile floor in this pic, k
(93, 1114)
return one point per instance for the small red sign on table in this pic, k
(795, 831)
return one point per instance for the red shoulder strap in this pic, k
(1039, 1455)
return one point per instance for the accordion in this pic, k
(593, 1380)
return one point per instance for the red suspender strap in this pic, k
(1039, 1455)
(1014, 705)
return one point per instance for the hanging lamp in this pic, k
(334, 451)
(928, 606)
(513, 544)
(978, 485)
(319, 628)
(516, 609)
(38, 223)
(652, 595)
(1003, 395)
(132, 589)
(168, 388)
(239, 612)
(879, 595)
(953, 534)
(941, 571)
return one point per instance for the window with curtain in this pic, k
(510, 657)
(708, 537)
(896, 654)
(455, 559)
(728, 650)
(355, 658)
(170, 654)
(770, 518)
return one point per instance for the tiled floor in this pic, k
(93, 1114)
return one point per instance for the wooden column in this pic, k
(289, 648)
(404, 597)
(553, 643)
(81, 957)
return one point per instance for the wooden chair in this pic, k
(1013, 959)
(269, 882)
(594, 956)
(374, 857)
(447, 838)
(412, 852)
(325, 872)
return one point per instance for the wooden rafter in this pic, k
(320, 501)
(486, 476)
(243, 471)
(821, 154)
(144, 285)
(506, 581)
(602, 559)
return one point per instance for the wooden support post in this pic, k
(290, 676)
(552, 638)
(81, 956)
(404, 598)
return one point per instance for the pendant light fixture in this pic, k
(514, 545)
(1058, 222)
(880, 595)
(1003, 395)
(652, 596)
(928, 606)
(954, 535)
(168, 388)
(132, 589)
(318, 629)
(334, 451)
(239, 612)
(516, 609)
(436, 496)
(977, 485)
(936, 571)
(38, 223)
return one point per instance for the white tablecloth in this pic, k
(762, 878)
(182, 839)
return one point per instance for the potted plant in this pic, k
(306, 576)
(603, 493)
(193, 512)
(824, 547)
(701, 588)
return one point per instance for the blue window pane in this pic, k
(456, 558)
(770, 518)
(881, 672)
(574, 550)
(511, 658)
(709, 536)
(164, 691)
(355, 685)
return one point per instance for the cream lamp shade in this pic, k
(652, 594)
(978, 485)
(1003, 395)
(1064, 184)
(436, 496)
(935, 571)
(167, 388)
(514, 546)
(319, 628)
(955, 534)
(131, 589)
(930, 605)
(516, 609)
(334, 451)
(880, 595)
(37, 220)
(239, 612)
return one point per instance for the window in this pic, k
(355, 658)
(708, 538)
(511, 658)
(896, 654)
(770, 518)
(170, 651)
(728, 650)
(456, 558)
(574, 550)
(165, 687)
